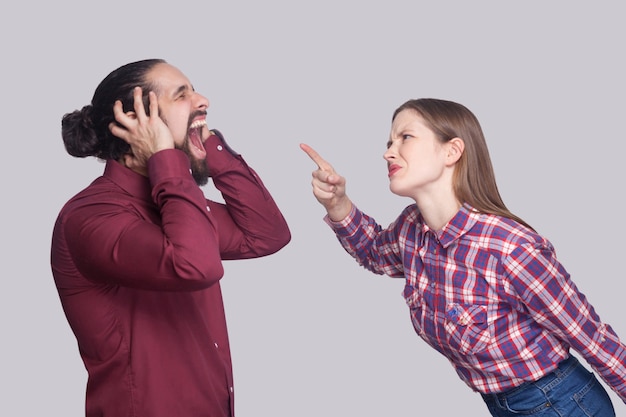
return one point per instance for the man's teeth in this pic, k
(197, 124)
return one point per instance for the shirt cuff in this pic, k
(345, 226)
(219, 154)
(170, 163)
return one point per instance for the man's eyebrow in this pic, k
(182, 89)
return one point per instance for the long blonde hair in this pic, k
(474, 180)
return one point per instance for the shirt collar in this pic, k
(459, 225)
(133, 183)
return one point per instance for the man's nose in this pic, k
(201, 102)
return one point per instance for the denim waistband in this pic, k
(565, 367)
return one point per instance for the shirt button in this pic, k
(216, 346)
(231, 389)
(219, 147)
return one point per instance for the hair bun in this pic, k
(79, 136)
(86, 114)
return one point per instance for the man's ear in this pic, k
(456, 147)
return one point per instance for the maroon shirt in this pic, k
(137, 262)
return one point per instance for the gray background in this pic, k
(312, 333)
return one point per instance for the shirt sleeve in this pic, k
(555, 302)
(250, 223)
(181, 244)
(112, 242)
(374, 248)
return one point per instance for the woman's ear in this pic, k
(455, 146)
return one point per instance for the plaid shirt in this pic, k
(489, 294)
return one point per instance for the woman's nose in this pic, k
(388, 155)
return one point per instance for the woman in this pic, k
(482, 286)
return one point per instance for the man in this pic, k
(137, 255)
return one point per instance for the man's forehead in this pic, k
(168, 79)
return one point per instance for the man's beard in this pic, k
(199, 167)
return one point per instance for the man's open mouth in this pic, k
(196, 146)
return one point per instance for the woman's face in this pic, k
(415, 157)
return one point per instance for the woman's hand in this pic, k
(329, 188)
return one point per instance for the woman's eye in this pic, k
(405, 137)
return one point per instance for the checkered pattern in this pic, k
(487, 293)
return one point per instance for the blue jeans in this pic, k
(568, 391)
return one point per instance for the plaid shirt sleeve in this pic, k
(554, 302)
(375, 249)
